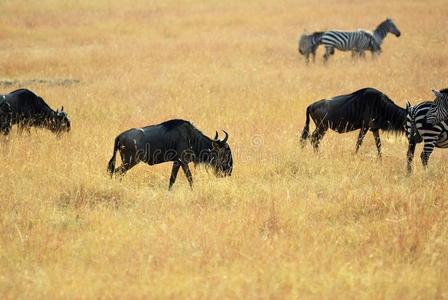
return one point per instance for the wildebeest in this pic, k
(174, 140)
(30, 110)
(5, 116)
(364, 109)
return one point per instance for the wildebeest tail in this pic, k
(306, 129)
(111, 165)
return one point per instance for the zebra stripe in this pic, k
(439, 110)
(355, 41)
(419, 130)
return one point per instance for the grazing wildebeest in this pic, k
(174, 140)
(5, 116)
(30, 110)
(364, 109)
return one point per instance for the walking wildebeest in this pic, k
(30, 110)
(364, 109)
(174, 140)
(5, 116)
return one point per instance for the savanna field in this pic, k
(287, 224)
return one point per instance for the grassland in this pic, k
(287, 224)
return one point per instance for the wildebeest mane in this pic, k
(389, 116)
(199, 140)
(382, 110)
(42, 103)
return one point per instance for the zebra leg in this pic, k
(307, 58)
(329, 50)
(376, 135)
(427, 150)
(410, 155)
(362, 134)
(317, 135)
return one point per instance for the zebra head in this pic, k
(392, 28)
(439, 110)
(409, 126)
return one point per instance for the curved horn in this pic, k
(216, 136)
(226, 137)
(62, 108)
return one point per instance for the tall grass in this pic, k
(288, 223)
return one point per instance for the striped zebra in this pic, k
(308, 44)
(355, 41)
(439, 111)
(419, 130)
(383, 29)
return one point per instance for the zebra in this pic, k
(355, 41)
(439, 111)
(383, 29)
(308, 44)
(418, 129)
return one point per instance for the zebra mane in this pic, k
(383, 28)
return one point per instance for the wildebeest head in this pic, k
(439, 111)
(221, 156)
(5, 117)
(60, 122)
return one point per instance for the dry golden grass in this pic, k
(287, 224)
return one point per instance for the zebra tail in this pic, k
(306, 129)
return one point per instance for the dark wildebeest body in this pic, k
(5, 116)
(175, 140)
(364, 109)
(30, 110)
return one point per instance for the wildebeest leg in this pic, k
(188, 174)
(410, 155)
(317, 135)
(127, 163)
(121, 170)
(362, 134)
(176, 166)
(376, 135)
